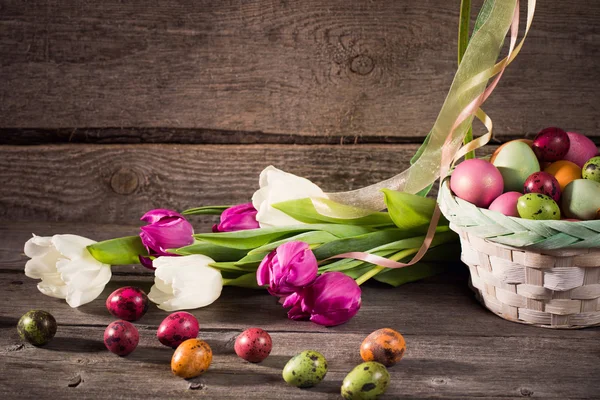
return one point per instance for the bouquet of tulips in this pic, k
(279, 241)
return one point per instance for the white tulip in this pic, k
(66, 268)
(277, 186)
(185, 283)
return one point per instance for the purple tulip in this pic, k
(287, 269)
(237, 218)
(166, 229)
(332, 299)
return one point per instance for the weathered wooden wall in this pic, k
(249, 83)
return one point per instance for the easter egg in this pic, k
(551, 144)
(476, 181)
(506, 204)
(305, 369)
(128, 303)
(177, 328)
(253, 345)
(37, 327)
(538, 206)
(544, 183)
(580, 150)
(581, 199)
(386, 346)
(564, 171)
(191, 358)
(516, 162)
(121, 337)
(529, 142)
(368, 380)
(591, 169)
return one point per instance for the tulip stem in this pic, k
(378, 268)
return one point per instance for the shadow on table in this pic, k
(153, 355)
(75, 345)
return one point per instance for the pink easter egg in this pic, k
(477, 181)
(506, 204)
(581, 149)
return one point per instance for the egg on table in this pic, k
(128, 303)
(366, 381)
(121, 337)
(516, 162)
(253, 345)
(385, 346)
(305, 369)
(176, 328)
(37, 327)
(192, 358)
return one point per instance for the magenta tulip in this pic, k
(237, 218)
(166, 229)
(332, 299)
(287, 269)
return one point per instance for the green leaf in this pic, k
(463, 28)
(408, 211)
(231, 267)
(312, 238)
(216, 252)
(245, 281)
(120, 251)
(253, 238)
(347, 264)
(484, 14)
(304, 210)
(400, 276)
(207, 210)
(251, 260)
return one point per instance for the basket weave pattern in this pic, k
(554, 288)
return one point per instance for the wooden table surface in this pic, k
(455, 348)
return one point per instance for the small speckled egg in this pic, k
(551, 144)
(177, 328)
(305, 369)
(581, 199)
(253, 345)
(386, 346)
(516, 161)
(128, 303)
(477, 181)
(580, 150)
(544, 183)
(366, 381)
(591, 169)
(538, 206)
(564, 171)
(192, 358)
(37, 327)
(121, 337)
(506, 204)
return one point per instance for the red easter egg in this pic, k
(544, 183)
(253, 345)
(177, 328)
(551, 144)
(121, 337)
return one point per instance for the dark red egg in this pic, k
(128, 303)
(544, 183)
(121, 337)
(177, 328)
(551, 144)
(253, 345)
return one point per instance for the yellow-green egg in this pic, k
(581, 199)
(537, 206)
(366, 381)
(516, 161)
(305, 369)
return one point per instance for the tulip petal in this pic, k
(38, 246)
(156, 215)
(37, 267)
(72, 246)
(83, 275)
(167, 234)
(76, 298)
(263, 272)
(59, 292)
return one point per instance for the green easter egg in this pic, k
(37, 327)
(516, 162)
(368, 380)
(537, 206)
(591, 169)
(581, 199)
(305, 369)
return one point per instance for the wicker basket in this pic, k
(542, 273)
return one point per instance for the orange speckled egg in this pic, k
(192, 358)
(528, 141)
(385, 346)
(564, 171)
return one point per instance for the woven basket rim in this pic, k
(534, 225)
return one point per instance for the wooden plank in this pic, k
(117, 184)
(438, 363)
(313, 67)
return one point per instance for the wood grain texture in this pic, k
(119, 183)
(314, 67)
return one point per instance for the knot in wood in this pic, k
(526, 392)
(124, 181)
(362, 65)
